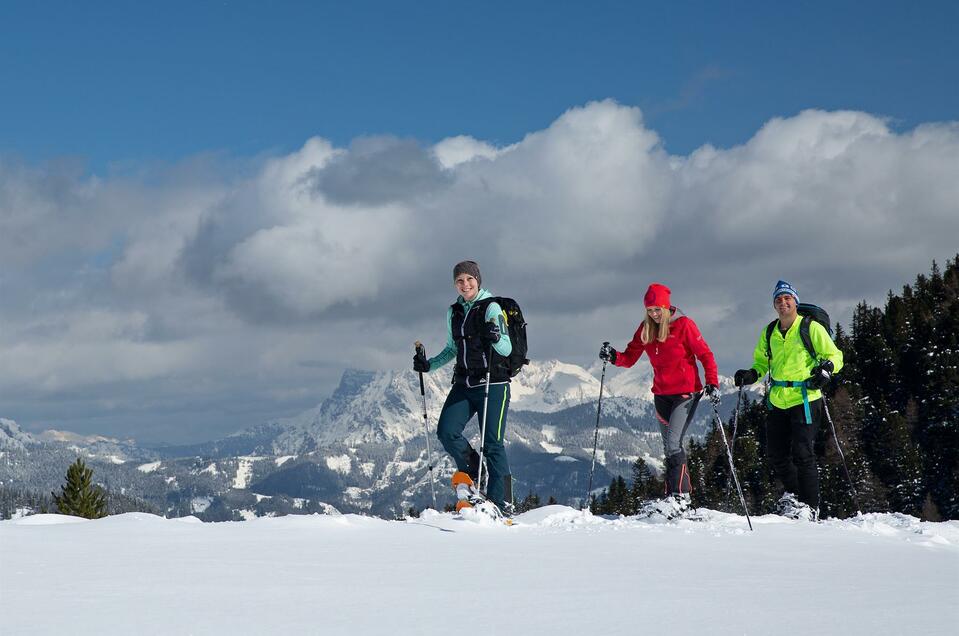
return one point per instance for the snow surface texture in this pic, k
(559, 571)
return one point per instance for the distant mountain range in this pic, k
(363, 448)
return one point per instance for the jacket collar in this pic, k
(482, 295)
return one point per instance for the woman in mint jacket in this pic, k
(478, 341)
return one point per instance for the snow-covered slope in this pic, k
(560, 572)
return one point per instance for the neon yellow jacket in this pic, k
(791, 361)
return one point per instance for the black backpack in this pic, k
(807, 312)
(516, 327)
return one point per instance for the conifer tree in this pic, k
(936, 397)
(835, 494)
(528, 503)
(614, 500)
(79, 497)
(619, 497)
(755, 474)
(645, 485)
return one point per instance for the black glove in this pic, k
(745, 376)
(420, 363)
(821, 375)
(607, 353)
(490, 332)
(712, 393)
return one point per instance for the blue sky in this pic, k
(209, 210)
(114, 83)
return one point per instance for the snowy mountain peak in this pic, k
(550, 385)
(370, 406)
(53, 435)
(12, 438)
(366, 407)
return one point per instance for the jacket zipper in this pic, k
(463, 336)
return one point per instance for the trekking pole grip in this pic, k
(420, 351)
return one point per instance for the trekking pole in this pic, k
(732, 469)
(599, 406)
(421, 351)
(852, 489)
(479, 472)
(739, 399)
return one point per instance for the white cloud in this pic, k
(229, 283)
(453, 151)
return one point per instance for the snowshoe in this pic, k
(469, 500)
(789, 506)
(668, 508)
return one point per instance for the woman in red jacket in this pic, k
(672, 343)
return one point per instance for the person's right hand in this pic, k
(607, 353)
(420, 363)
(745, 376)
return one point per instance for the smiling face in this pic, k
(785, 306)
(655, 313)
(467, 286)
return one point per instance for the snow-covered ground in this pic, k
(559, 571)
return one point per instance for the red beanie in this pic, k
(657, 296)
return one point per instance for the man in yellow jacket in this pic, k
(795, 399)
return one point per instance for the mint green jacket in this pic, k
(791, 361)
(494, 313)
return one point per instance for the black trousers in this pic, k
(789, 444)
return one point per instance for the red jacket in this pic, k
(674, 364)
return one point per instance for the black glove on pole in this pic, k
(490, 332)
(420, 362)
(607, 353)
(745, 376)
(821, 375)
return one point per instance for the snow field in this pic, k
(559, 571)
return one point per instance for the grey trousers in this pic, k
(674, 413)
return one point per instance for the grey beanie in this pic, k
(468, 267)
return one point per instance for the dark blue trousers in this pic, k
(461, 404)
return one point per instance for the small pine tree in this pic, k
(529, 502)
(79, 497)
(645, 485)
(615, 501)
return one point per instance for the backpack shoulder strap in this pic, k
(806, 338)
(769, 335)
(485, 303)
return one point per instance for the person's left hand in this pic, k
(490, 332)
(821, 375)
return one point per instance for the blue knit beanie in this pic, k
(782, 287)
